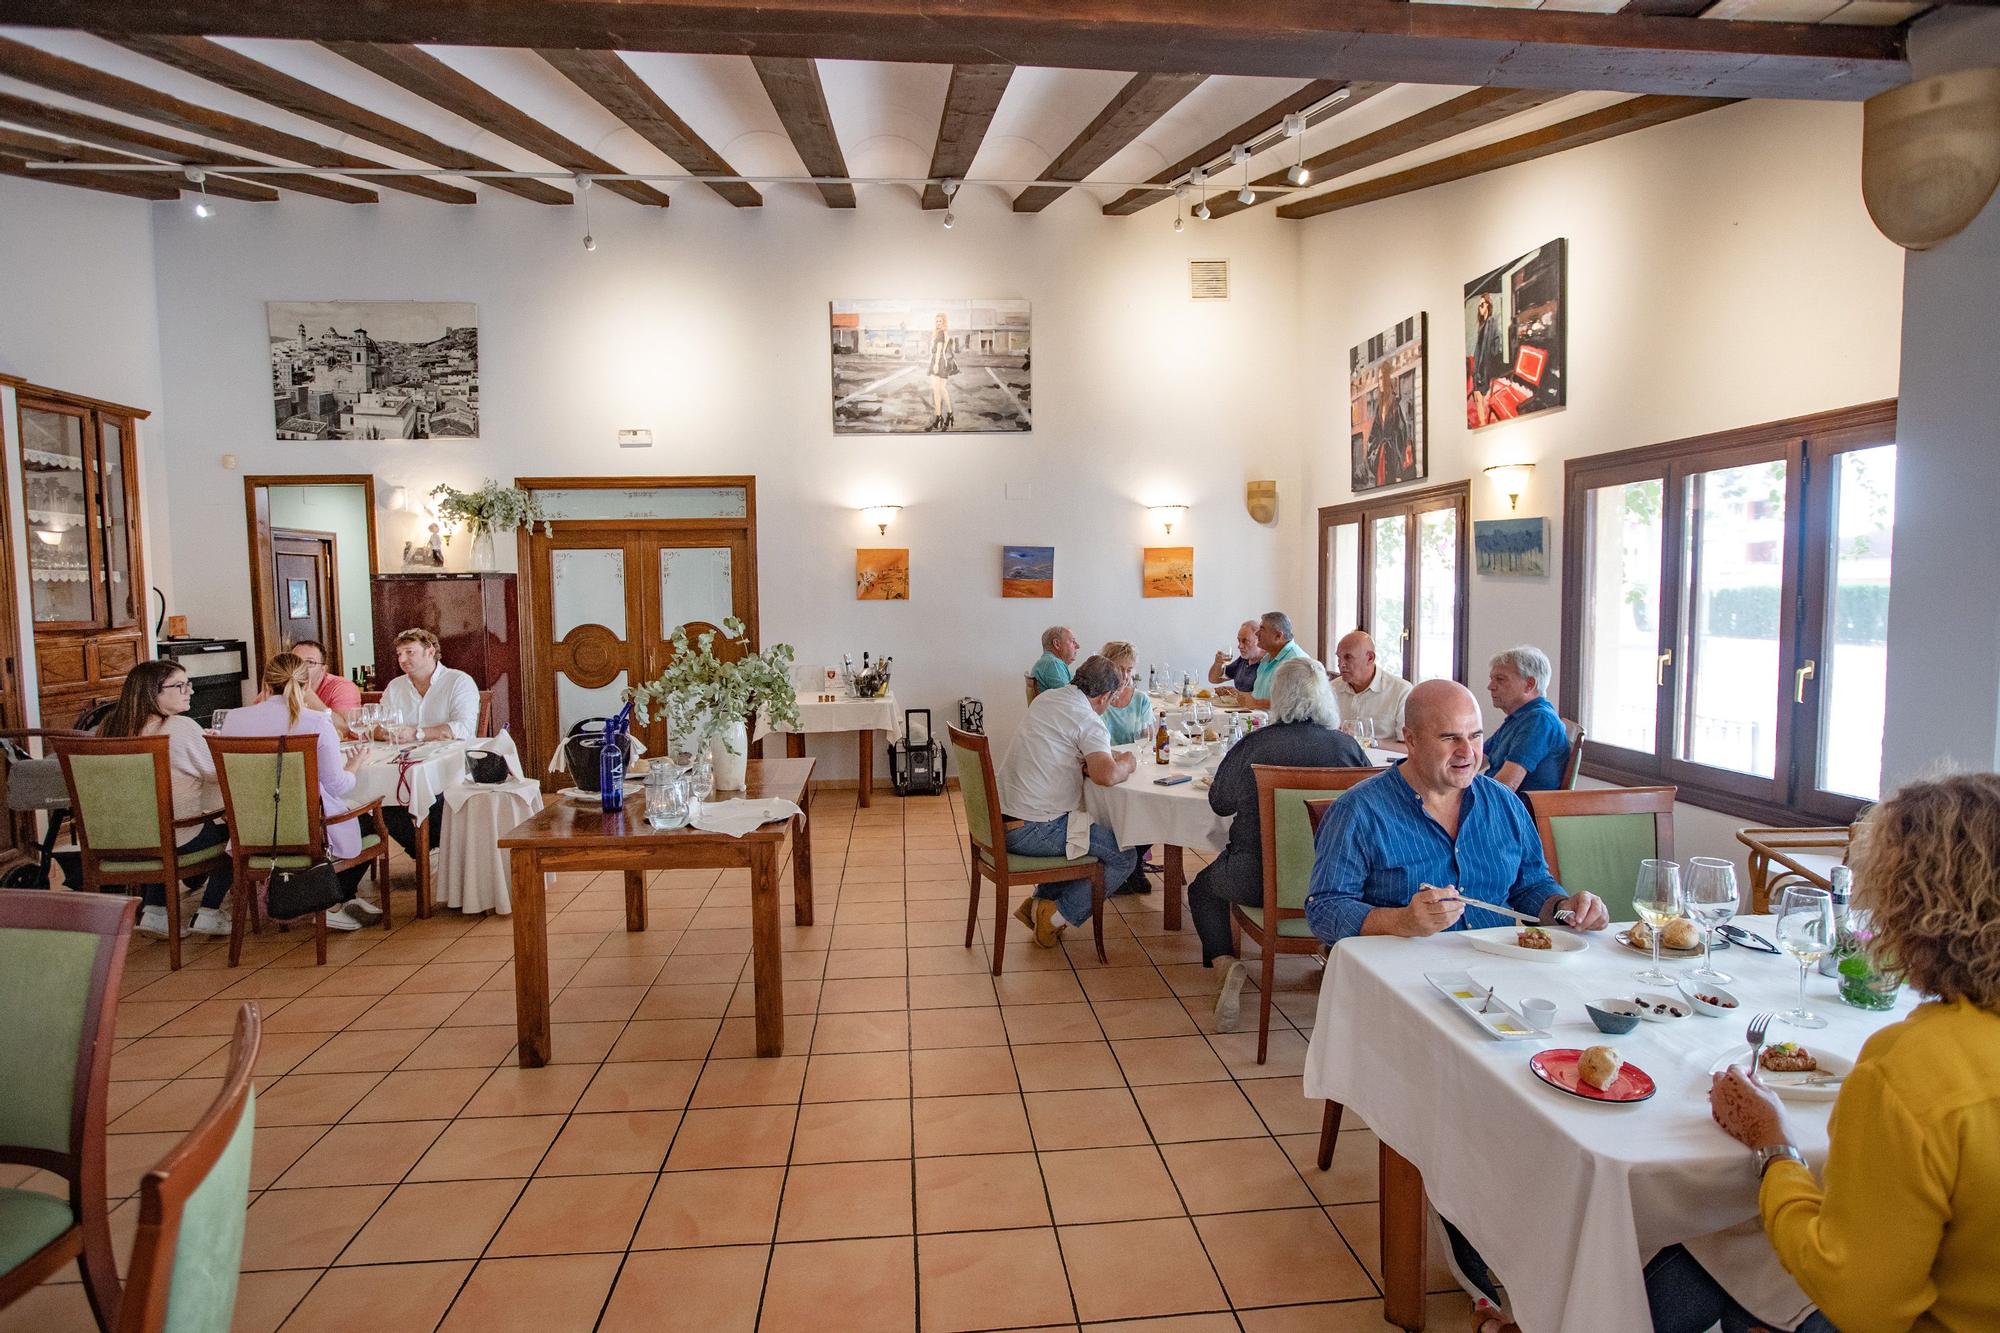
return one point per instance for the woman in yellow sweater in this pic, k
(1903, 1229)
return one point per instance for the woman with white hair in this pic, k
(1528, 751)
(1302, 733)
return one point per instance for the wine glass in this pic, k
(215, 719)
(1657, 899)
(1365, 726)
(1805, 931)
(701, 780)
(1711, 900)
(371, 717)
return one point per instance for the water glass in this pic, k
(1806, 932)
(701, 780)
(1712, 899)
(1365, 726)
(1657, 899)
(215, 719)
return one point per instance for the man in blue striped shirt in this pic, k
(1397, 853)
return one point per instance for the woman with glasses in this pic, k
(155, 702)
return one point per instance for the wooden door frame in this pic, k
(13, 704)
(533, 594)
(257, 523)
(330, 602)
(1410, 504)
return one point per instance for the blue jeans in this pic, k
(1072, 896)
(216, 887)
(1685, 1299)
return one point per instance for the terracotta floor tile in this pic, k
(862, 1076)
(666, 1039)
(1132, 1270)
(752, 1082)
(696, 1208)
(391, 1296)
(265, 1300)
(688, 1291)
(1359, 1225)
(955, 1126)
(409, 1011)
(450, 1219)
(613, 1142)
(487, 1149)
(959, 1071)
(312, 1099)
(127, 1157)
(859, 1284)
(951, 992)
(837, 1034)
(353, 1052)
(863, 994)
(581, 1043)
(837, 1200)
(512, 1090)
(1109, 1185)
(1086, 1064)
(868, 962)
(1168, 1060)
(1127, 1019)
(668, 1002)
(989, 1279)
(1183, 1112)
(1235, 1175)
(1448, 1311)
(362, 1154)
(306, 1228)
(852, 1131)
(163, 1057)
(574, 1215)
(733, 1136)
(1035, 1024)
(463, 1048)
(418, 1094)
(1026, 987)
(1123, 983)
(934, 1029)
(1355, 1176)
(276, 1148)
(1285, 1108)
(1181, 1323)
(1281, 1258)
(309, 1013)
(1285, 1058)
(646, 1085)
(1088, 1118)
(994, 1190)
(555, 1294)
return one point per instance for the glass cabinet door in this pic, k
(121, 587)
(56, 469)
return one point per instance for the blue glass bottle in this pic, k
(611, 762)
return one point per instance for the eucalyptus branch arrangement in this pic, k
(703, 696)
(492, 508)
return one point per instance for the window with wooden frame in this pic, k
(1397, 567)
(1725, 613)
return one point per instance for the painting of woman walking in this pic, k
(1388, 441)
(948, 367)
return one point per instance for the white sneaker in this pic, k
(153, 921)
(211, 921)
(339, 920)
(362, 910)
(1229, 1000)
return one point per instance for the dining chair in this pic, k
(294, 835)
(1031, 685)
(62, 961)
(1279, 925)
(121, 795)
(485, 713)
(1801, 856)
(986, 848)
(1594, 840)
(188, 1253)
(1330, 1114)
(1572, 766)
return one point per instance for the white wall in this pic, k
(342, 511)
(708, 325)
(1722, 272)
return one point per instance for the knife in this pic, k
(1508, 911)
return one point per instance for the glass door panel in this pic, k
(1437, 595)
(696, 587)
(591, 654)
(1389, 538)
(1621, 614)
(56, 472)
(588, 588)
(1343, 582)
(124, 593)
(1853, 664)
(1732, 604)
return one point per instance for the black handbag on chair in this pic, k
(302, 892)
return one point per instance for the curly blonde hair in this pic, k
(1927, 866)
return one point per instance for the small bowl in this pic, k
(1616, 1017)
(1700, 996)
(1662, 1008)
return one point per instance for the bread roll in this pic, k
(1680, 933)
(1598, 1066)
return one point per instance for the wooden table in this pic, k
(866, 718)
(570, 836)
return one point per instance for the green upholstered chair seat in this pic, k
(187, 860)
(29, 1220)
(1018, 862)
(369, 842)
(1292, 927)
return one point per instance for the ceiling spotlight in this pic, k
(1201, 210)
(1179, 195)
(949, 218)
(583, 184)
(202, 208)
(1298, 175)
(1178, 224)
(949, 185)
(1246, 196)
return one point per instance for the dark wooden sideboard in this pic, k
(477, 624)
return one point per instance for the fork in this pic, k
(1755, 1036)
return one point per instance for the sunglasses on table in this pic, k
(1735, 934)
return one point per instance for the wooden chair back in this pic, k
(1573, 766)
(1031, 685)
(188, 1253)
(246, 770)
(1286, 830)
(371, 696)
(121, 794)
(979, 787)
(1594, 840)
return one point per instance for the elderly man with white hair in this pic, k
(1301, 734)
(1529, 750)
(1059, 649)
(1239, 672)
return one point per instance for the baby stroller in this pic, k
(35, 786)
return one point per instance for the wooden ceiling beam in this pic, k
(33, 65)
(428, 77)
(1381, 40)
(144, 143)
(41, 148)
(125, 183)
(969, 103)
(1595, 127)
(617, 87)
(1315, 92)
(252, 78)
(800, 101)
(1142, 101)
(1467, 111)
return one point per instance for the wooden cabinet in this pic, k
(478, 629)
(86, 584)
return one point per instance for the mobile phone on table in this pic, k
(1174, 781)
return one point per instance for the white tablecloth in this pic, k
(442, 765)
(844, 715)
(474, 874)
(1140, 813)
(1565, 1199)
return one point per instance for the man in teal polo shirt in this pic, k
(1274, 636)
(1051, 669)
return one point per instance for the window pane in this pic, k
(1385, 610)
(1343, 583)
(1732, 616)
(1437, 594)
(117, 538)
(1621, 614)
(57, 479)
(1854, 656)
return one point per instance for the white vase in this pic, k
(482, 550)
(728, 767)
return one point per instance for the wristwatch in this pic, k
(1774, 1152)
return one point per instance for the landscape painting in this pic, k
(1386, 381)
(1169, 571)
(1027, 571)
(881, 575)
(1511, 547)
(374, 370)
(1516, 318)
(953, 367)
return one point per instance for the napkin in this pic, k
(739, 817)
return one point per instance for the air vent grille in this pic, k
(1208, 279)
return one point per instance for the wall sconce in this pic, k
(399, 498)
(1512, 480)
(1168, 515)
(881, 516)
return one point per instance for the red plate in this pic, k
(1557, 1068)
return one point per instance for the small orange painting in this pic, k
(881, 575)
(1169, 571)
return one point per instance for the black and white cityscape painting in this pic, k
(374, 370)
(947, 366)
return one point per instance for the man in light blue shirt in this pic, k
(1274, 636)
(1059, 649)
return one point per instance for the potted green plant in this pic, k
(709, 703)
(491, 509)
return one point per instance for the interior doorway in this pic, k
(312, 553)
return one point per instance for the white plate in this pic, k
(1500, 940)
(1794, 1087)
(1502, 1020)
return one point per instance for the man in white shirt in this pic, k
(442, 703)
(1364, 690)
(1062, 741)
